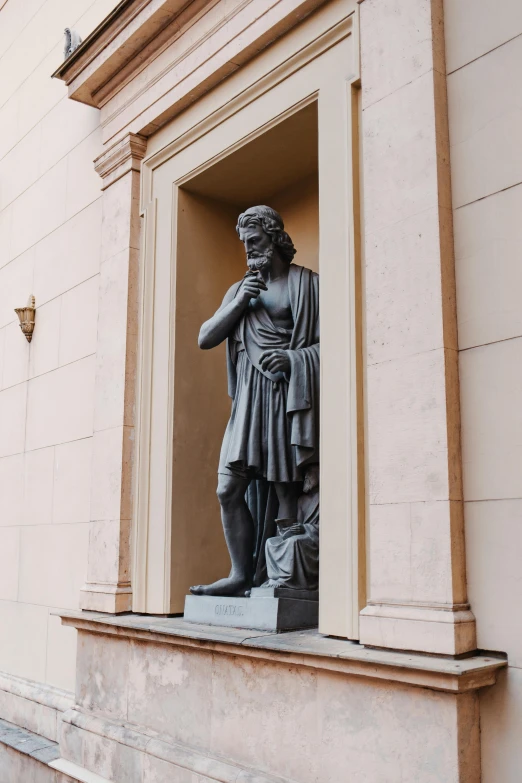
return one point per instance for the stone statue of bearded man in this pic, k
(270, 320)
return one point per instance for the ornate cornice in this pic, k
(114, 42)
(122, 57)
(122, 157)
(133, 34)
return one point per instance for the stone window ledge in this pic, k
(299, 648)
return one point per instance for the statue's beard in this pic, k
(257, 261)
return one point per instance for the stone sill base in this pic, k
(26, 756)
(42, 751)
(437, 630)
(300, 648)
(171, 702)
(28, 743)
(106, 598)
(179, 758)
(33, 706)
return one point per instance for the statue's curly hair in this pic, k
(272, 224)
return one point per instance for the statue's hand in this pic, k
(251, 287)
(293, 530)
(275, 361)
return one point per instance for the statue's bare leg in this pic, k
(238, 527)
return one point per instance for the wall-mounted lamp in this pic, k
(27, 315)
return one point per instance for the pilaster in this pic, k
(108, 586)
(417, 579)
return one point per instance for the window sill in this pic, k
(299, 648)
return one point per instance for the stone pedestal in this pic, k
(268, 609)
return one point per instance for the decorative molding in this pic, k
(140, 535)
(122, 157)
(443, 630)
(182, 757)
(34, 706)
(39, 692)
(129, 38)
(120, 50)
(98, 42)
(104, 597)
(216, 119)
(177, 28)
(432, 605)
(303, 49)
(200, 69)
(326, 40)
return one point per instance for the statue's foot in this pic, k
(271, 583)
(229, 587)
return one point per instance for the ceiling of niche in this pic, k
(274, 161)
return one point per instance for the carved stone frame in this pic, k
(342, 531)
(414, 536)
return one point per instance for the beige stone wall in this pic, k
(50, 236)
(50, 227)
(484, 62)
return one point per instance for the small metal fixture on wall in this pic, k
(27, 315)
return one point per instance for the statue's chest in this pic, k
(276, 301)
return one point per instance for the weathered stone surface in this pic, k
(24, 756)
(277, 708)
(303, 648)
(32, 706)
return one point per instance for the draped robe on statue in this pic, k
(273, 431)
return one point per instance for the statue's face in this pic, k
(258, 246)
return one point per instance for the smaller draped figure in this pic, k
(292, 556)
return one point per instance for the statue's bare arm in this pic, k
(219, 327)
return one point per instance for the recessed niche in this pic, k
(279, 167)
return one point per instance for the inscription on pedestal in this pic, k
(264, 613)
(229, 609)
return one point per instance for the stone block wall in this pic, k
(50, 236)
(50, 246)
(484, 61)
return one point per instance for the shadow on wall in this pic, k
(500, 721)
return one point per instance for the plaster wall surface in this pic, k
(483, 58)
(50, 231)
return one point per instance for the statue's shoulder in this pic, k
(300, 271)
(231, 293)
(234, 288)
(303, 273)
